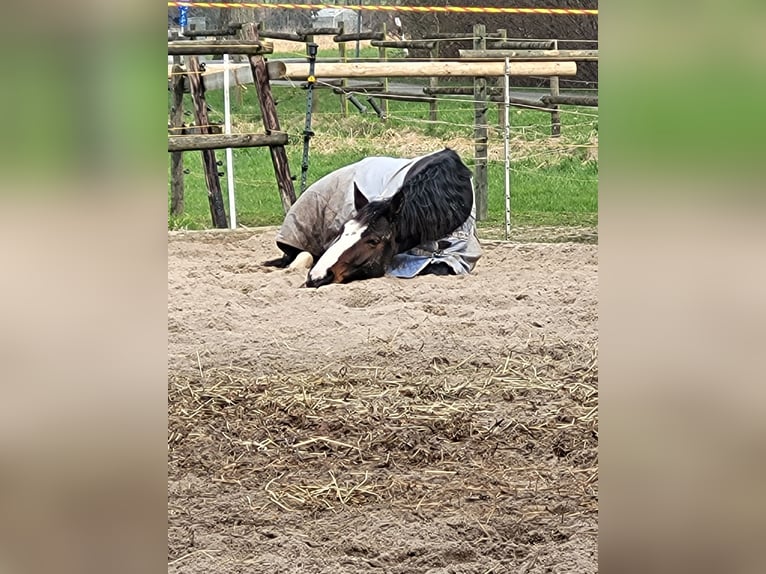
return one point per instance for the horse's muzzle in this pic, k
(326, 280)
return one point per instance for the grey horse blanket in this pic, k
(318, 215)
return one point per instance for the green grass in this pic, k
(553, 183)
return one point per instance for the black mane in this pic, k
(438, 197)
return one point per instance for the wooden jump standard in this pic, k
(274, 138)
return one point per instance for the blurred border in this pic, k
(681, 275)
(82, 420)
(83, 233)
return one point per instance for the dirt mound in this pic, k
(439, 424)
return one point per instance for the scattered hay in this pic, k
(364, 434)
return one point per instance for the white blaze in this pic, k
(352, 232)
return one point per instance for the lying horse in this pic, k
(384, 215)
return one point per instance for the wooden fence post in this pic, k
(270, 121)
(503, 35)
(480, 132)
(433, 81)
(176, 124)
(383, 57)
(208, 155)
(344, 81)
(555, 116)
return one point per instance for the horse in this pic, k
(434, 198)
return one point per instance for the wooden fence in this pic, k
(483, 61)
(206, 141)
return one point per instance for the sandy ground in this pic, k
(436, 425)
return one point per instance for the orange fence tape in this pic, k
(388, 8)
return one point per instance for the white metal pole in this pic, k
(507, 146)
(229, 154)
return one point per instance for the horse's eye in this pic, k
(372, 241)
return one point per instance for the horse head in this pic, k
(365, 245)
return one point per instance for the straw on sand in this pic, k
(519, 437)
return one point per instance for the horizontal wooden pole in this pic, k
(336, 84)
(222, 141)
(211, 128)
(360, 36)
(319, 31)
(402, 96)
(552, 55)
(466, 36)
(519, 102)
(522, 45)
(496, 95)
(230, 31)
(299, 71)
(572, 100)
(457, 90)
(218, 47)
(282, 35)
(414, 44)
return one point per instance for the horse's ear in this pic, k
(359, 198)
(397, 200)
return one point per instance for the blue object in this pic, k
(183, 19)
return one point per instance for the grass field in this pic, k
(554, 181)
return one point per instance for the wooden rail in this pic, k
(218, 47)
(300, 71)
(414, 44)
(319, 31)
(291, 36)
(536, 55)
(374, 35)
(230, 30)
(458, 36)
(522, 45)
(571, 99)
(223, 141)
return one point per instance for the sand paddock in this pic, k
(438, 424)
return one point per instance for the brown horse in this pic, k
(435, 198)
